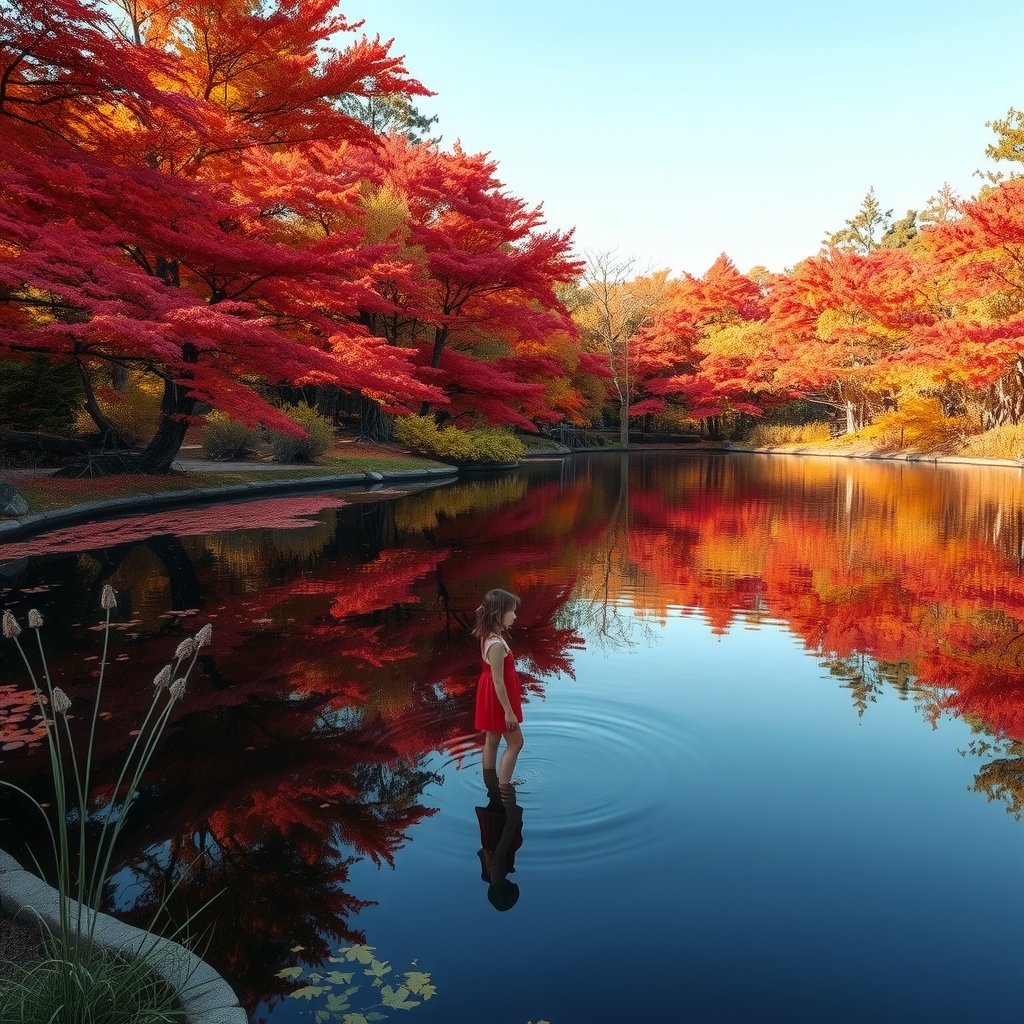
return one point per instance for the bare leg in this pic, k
(513, 744)
(490, 754)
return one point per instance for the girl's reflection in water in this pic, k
(501, 834)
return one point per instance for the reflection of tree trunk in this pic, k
(181, 573)
(622, 506)
(379, 526)
(449, 612)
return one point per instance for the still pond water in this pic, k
(774, 761)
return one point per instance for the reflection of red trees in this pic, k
(300, 745)
(271, 513)
(921, 571)
(303, 741)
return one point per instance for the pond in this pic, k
(774, 761)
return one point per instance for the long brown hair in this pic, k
(496, 605)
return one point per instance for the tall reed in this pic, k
(77, 981)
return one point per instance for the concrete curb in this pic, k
(827, 453)
(40, 521)
(204, 995)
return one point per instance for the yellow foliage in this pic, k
(774, 435)
(420, 434)
(422, 511)
(919, 426)
(1006, 442)
(135, 411)
(386, 215)
(319, 436)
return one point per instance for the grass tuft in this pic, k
(777, 435)
(1006, 442)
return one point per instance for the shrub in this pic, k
(421, 434)
(918, 426)
(319, 436)
(39, 394)
(497, 445)
(773, 435)
(1005, 442)
(673, 421)
(225, 438)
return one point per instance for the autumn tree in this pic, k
(708, 348)
(981, 252)
(865, 230)
(470, 291)
(147, 210)
(844, 322)
(610, 307)
(1009, 145)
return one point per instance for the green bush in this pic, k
(39, 394)
(421, 434)
(224, 438)
(319, 436)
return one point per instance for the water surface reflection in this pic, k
(337, 696)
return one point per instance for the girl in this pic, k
(498, 698)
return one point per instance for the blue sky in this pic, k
(675, 131)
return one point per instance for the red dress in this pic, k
(490, 715)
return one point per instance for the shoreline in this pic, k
(108, 508)
(372, 479)
(830, 453)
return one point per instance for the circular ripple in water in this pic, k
(599, 781)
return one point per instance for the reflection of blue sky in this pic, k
(768, 856)
(676, 129)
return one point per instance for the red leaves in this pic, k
(705, 346)
(128, 233)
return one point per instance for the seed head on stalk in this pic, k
(35, 620)
(61, 701)
(177, 689)
(11, 628)
(108, 600)
(162, 678)
(204, 636)
(186, 649)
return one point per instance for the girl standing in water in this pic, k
(498, 697)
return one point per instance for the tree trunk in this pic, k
(376, 424)
(624, 423)
(327, 401)
(158, 455)
(713, 427)
(111, 435)
(48, 444)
